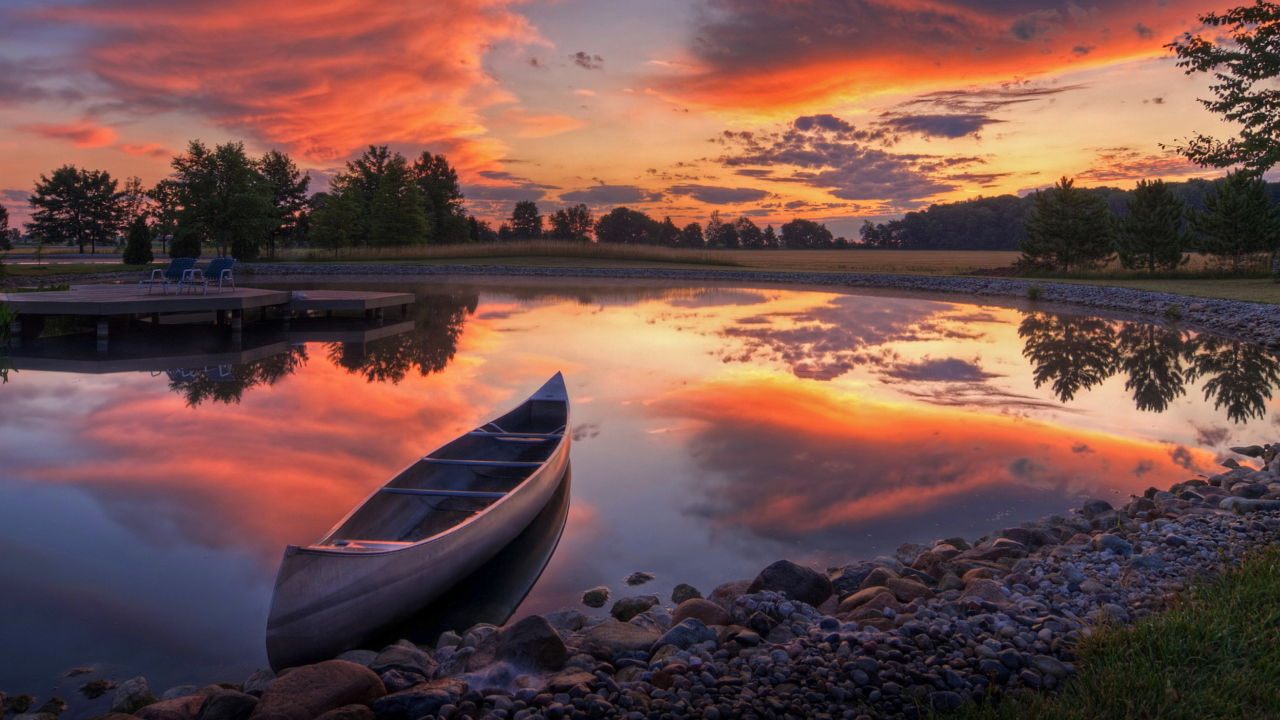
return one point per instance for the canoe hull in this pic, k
(328, 601)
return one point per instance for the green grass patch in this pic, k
(72, 269)
(1216, 654)
(41, 288)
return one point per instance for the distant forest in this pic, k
(995, 223)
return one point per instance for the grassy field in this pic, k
(41, 271)
(1215, 655)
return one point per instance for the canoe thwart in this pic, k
(444, 493)
(482, 463)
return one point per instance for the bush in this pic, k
(1034, 292)
(137, 249)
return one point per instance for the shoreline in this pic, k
(938, 626)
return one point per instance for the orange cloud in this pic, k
(803, 55)
(83, 133)
(155, 150)
(320, 78)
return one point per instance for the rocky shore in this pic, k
(932, 627)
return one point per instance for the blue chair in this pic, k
(219, 269)
(172, 274)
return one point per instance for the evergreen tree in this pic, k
(526, 221)
(335, 220)
(1153, 233)
(1240, 220)
(397, 216)
(362, 178)
(288, 190)
(76, 206)
(137, 249)
(1069, 227)
(770, 237)
(691, 236)
(442, 199)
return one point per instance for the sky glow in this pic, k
(836, 110)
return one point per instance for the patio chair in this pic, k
(219, 269)
(172, 274)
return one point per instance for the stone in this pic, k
(566, 620)
(978, 573)
(724, 595)
(617, 637)
(349, 712)
(795, 581)
(957, 542)
(1111, 612)
(875, 607)
(908, 590)
(228, 705)
(532, 644)
(878, 577)
(950, 581)
(628, 607)
(655, 619)
(1175, 541)
(312, 690)
(686, 634)
(1147, 562)
(908, 552)
(847, 579)
(449, 638)
(183, 708)
(946, 700)
(862, 597)
(1094, 508)
(359, 657)
(705, 611)
(399, 657)
(132, 696)
(683, 592)
(928, 559)
(92, 690)
(567, 681)
(1249, 491)
(423, 700)
(1242, 506)
(1114, 543)
(638, 578)
(259, 681)
(596, 597)
(179, 691)
(53, 706)
(984, 590)
(1049, 665)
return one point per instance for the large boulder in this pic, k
(847, 579)
(908, 590)
(685, 635)
(705, 611)
(349, 712)
(312, 690)
(725, 594)
(862, 597)
(617, 637)
(628, 607)
(795, 581)
(183, 708)
(132, 696)
(228, 705)
(404, 659)
(1094, 508)
(257, 683)
(984, 591)
(532, 644)
(684, 591)
(423, 700)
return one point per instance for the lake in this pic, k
(716, 429)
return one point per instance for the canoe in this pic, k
(418, 535)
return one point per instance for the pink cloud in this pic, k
(83, 133)
(155, 150)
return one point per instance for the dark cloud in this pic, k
(1033, 26)
(987, 99)
(535, 62)
(587, 62)
(943, 126)
(20, 82)
(15, 196)
(1210, 436)
(603, 194)
(1182, 457)
(1082, 449)
(1142, 468)
(714, 195)
(1082, 50)
(822, 122)
(939, 370)
(503, 193)
(1143, 31)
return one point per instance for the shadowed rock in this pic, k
(312, 690)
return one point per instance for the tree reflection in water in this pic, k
(228, 383)
(439, 318)
(1078, 353)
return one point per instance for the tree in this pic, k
(1239, 220)
(137, 248)
(362, 178)
(691, 236)
(526, 221)
(770, 237)
(288, 194)
(442, 199)
(626, 226)
(221, 198)
(397, 217)
(1153, 234)
(666, 233)
(4, 229)
(76, 206)
(572, 223)
(479, 231)
(749, 234)
(164, 212)
(1073, 352)
(1069, 227)
(806, 234)
(1245, 67)
(134, 200)
(335, 220)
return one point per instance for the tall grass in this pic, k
(530, 248)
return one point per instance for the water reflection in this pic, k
(1072, 352)
(228, 383)
(439, 317)
(1239, 376)
(1152, 357)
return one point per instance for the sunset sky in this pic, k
(836, 110)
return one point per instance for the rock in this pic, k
(228, 705)
(183, 708)
(257, 683)
(566, 620)
(950, 581)
(1147, 562)
(946, 700)
(617, 637)
(1114, 543)
(638, 578)
(978, 573)
(312, 690)
(957, 542)
(532, 643)
(908, 552)
(725, 594)
(18, 704)
(179, 691)
(847, 579)
(1241, 506)
(1249, 491)
(423, 700)
(1094, 508)
(1175, 541)
(53, 706)
(568, 681)
(683, 592)
(449, 638)
(862, 597)
(596, 597)
(984, 590)
(628, 607)
(1111, 612)
(349, 712)
(705, 611)
(878, 577)
(1049, 665)
(908, 590)
(1230, 463)
(796, 582)
(399, 657)
(686, 634)
(92, 690)
(359, 657)
(132, 696)
(928, 559)
(875, 607)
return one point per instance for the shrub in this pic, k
(1034, 292)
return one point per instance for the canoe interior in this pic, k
(390, 518)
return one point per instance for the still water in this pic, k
(716, 429)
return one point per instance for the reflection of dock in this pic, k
(104, 301)
(149, 349)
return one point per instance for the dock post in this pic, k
(377, 316)
(404, 311)
(15, 334)
(368, 314)
(237, 325)
(155, 318)
(222, 317)
(286, 314)
(103, 331)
